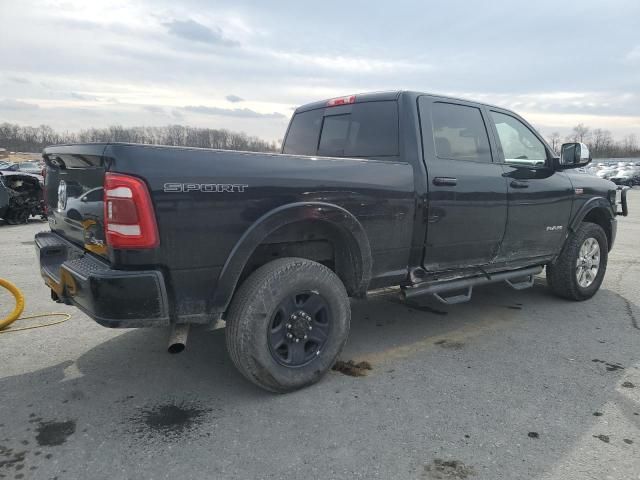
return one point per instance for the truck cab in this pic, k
(490, 192)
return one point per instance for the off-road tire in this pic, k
(253, 307)
(561, 275)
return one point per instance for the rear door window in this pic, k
(459, 133)
(367, 129)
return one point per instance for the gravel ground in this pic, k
(514, 384)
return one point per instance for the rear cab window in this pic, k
(302, 138)
(368, 129)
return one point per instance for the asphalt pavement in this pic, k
(513, 385)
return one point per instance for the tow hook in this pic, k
(178, 338)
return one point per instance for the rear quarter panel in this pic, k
(198, 229)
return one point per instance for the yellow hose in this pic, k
(17, 311)
(17, 294)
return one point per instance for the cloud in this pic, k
(234, 98)
(158, 56)
(197, 32)
(634, 54)
(81, 96)
(177, 114)
(592, 103)
(156, 110)
(231, 112)
(21, 80)
(10, 104)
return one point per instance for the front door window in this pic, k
(519, 145)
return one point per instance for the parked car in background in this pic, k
(607, 172)
(21, 196)
(34, 168)
(628, 176)
(8, 166)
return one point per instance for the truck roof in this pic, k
(386, 95)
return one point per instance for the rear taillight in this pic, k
(334, 102)
(129, 221)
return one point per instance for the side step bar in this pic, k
(516, 279)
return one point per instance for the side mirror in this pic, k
(574, 155)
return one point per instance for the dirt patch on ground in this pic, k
(451, 344)
(447, 469)
(611, 367)
(9, 458)
(352, 368)
(18, 157)
(51, 434)
(604, 438)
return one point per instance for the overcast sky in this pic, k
(244, 65)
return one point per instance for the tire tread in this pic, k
(561, 276)
(255, 287)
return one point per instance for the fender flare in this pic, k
(331, 214)
(591, 204)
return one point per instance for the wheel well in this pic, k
(600, 217)
(314, 240)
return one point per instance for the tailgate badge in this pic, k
(62, 195)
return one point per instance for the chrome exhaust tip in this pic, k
(178, 338)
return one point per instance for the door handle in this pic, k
(519, 184)
(445, 181)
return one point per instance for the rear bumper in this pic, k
(113, 298)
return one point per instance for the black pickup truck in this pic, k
(429, 193)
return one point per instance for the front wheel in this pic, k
(578, 273)
(287, 324)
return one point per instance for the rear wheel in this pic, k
(287, 324)
(580, 269)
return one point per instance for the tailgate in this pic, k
(74, 180)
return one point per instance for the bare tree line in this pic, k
(33, 139)
(600, 141)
